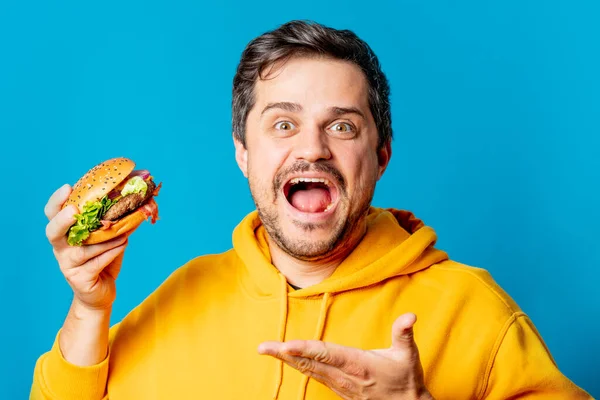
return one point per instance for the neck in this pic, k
(304, 273)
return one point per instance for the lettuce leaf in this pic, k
(135, 185)
(89, 220)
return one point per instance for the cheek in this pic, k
(360, 169)
(264, 163)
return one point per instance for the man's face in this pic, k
(311, 155)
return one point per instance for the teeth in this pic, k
(328, 207)
(298, 180)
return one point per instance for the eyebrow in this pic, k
(283, 105)
(347, 110)
(295, 107)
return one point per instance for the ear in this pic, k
(241, 155)
(384, 154)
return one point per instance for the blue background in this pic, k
(495, 111)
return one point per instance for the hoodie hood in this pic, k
(396, 243)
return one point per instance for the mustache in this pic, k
(303, 166)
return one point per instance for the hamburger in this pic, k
(112, 198)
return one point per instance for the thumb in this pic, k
(402, 331)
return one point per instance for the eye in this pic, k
(284, 126)
(342, 127)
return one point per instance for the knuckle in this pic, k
(49, 231)
(77, 255)
(322, 356)
(58, 255)
(96, 266)
(360, 372)
(343, 383)
(52, 232)
(304, 365)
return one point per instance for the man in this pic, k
(319, 296)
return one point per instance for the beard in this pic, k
(340, 234)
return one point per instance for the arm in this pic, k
(522, 367)
(83, 340)
(65, 375)
(77, 365)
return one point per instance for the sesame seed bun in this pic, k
(99, 181)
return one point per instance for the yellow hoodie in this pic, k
(196, 336)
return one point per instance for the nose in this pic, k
(311, 145)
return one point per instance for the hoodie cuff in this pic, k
(64, 380)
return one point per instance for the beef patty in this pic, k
(129, 203)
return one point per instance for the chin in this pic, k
(307, 240)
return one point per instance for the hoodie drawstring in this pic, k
(282, 326)
(318, 336)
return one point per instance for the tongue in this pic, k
(311, 200)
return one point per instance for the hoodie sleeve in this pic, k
(523, 368)
(54, 378)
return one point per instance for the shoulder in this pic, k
(213, 264)
(472, 285)
(193, 279)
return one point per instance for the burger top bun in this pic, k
(99, 181)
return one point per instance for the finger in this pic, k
(323, 352)
(114, 267)
(324, 373)
(269, 348)
(56, 200)
(328, 353)
(335, 385)
(79, 255)
(58, 226)
(402, 331)
(95, 265)
(329, 380)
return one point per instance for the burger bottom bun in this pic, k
(126, 224)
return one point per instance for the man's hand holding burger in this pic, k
(88, 242)
(90, 270)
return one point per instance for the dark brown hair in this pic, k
(309, 39)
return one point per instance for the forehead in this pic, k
(314, 82)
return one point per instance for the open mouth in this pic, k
(311, 195)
